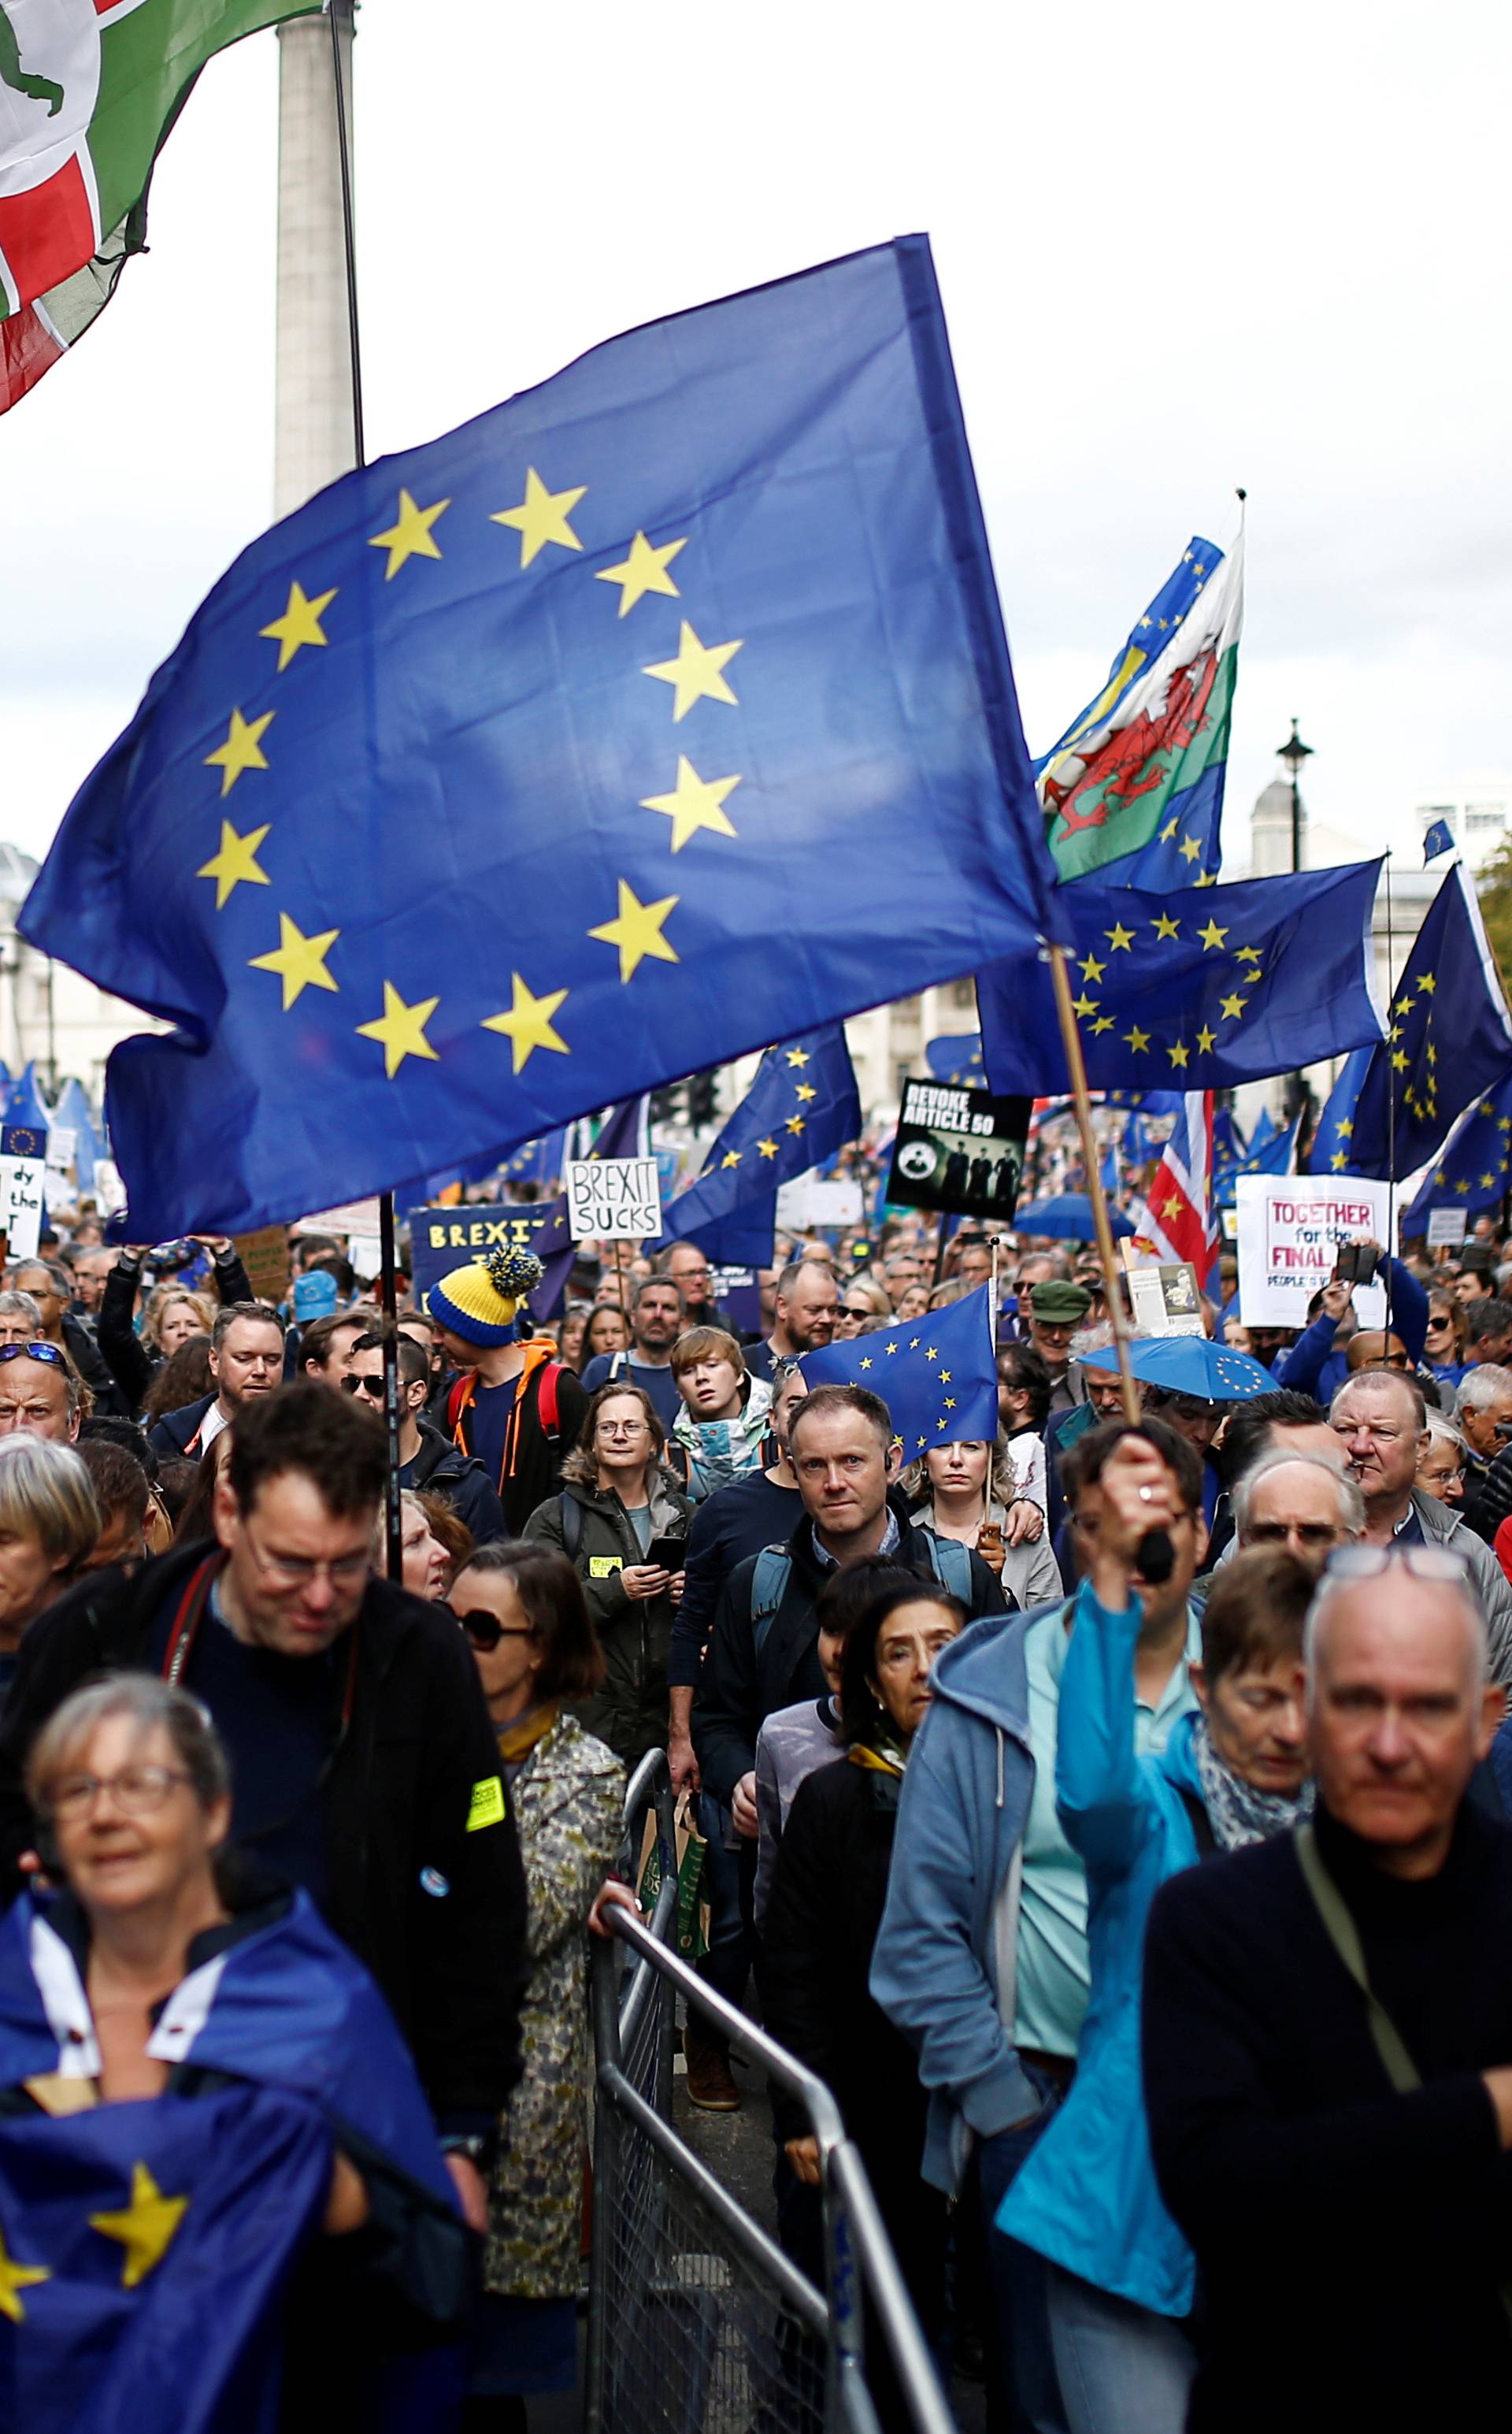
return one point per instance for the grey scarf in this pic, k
(1236, 1811)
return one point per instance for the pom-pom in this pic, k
(513, 1272)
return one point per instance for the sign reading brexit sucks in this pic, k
(444, 1238)
(1291, 1228)
(609, 1197)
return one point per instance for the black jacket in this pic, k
(398, 1800)
(739, 1689)
(461, 1479)
(537, 1471)
(178, 1433)
(593, 1530)
(131, 1361)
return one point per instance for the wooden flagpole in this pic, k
(1113, 1278)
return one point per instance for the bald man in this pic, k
(1363, 2202)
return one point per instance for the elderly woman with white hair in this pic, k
(49, 1521)
(187, 2049)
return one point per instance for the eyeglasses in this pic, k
(1363, 1563)
(373, 1387)
(622, 1429)
(298, 1571)
(137, 1791)
(486, 1631)
(48, 1352)
(1277, 1534)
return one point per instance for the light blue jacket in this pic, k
(1087, 2196)
(965, 1798)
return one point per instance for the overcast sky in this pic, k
(1257, 245)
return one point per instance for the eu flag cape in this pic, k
(491, 785)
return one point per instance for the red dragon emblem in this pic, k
(1129, 764)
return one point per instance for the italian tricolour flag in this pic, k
(89, 89)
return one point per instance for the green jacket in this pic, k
(630, 1711)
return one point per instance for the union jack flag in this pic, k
(1179, 1220)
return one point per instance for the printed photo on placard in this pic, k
(958, 1152)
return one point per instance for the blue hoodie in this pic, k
(1087, 2196)
(1314, 1367)
(962, 1816)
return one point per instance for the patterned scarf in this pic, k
(883, 1751)
(1238, 1812)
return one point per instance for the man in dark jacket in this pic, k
(246, 1364)
(515, 1406)
(840, 1451)
(1338, 2160)
(132, 1361)
(363, 1762)
(427, 1459)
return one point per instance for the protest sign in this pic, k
(1166, 1297)
(958, 1152)
(613, 1198)
(1290, 1230)
(442, 1238)
(805, 1204)
(21, 1195)
(1447, 1228)
(265, 1256)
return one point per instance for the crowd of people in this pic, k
(1115, 1814)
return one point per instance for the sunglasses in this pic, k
(48, 1352)
(372, 1387)
(486, 1631)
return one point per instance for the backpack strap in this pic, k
(571, 1525)
(950, 1563)
(768, 1587)
(548, 1406)
(1339, 1925)
(1201, 1823)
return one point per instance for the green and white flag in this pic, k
(89, 89)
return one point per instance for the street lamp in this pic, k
(1293, 752)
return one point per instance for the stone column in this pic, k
(312, 423)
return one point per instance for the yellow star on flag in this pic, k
(1233, 1007)
(241, 750)
(1173, 1208)
(1338, 1161)
(1346, 1126)
(1487, 1182)
(1138, 1041)
(1166, 927)
(14, 2277)
(299, 962)
(528, 1024)
(1211, 935)
(694, 803)
(1118, 937)
(1085, 1006)
(1189, 848)
(798, 1056)
(1104, 1022)
(144, 2228)
(695, 671)
(1207, 879)
(867, 1361)
(1427, 982)
(298, 624)
(731, 1157)
(1168, 832)
(805, 1091)
(400, 1029)
(541, 517)
(643, 571)
(636, 931)
(1206, 1040)
(1090, 968)
(1251, 953)
(236, 860)
(1179, 1054)
(795, 1124)
(411, 536)
(768, 1148)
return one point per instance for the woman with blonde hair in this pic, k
(949, 1493)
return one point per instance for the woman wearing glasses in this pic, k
(619, 1520)
(522, 1609)
(148, 1980)
(1448, 1336)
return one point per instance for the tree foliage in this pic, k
(1494, 891)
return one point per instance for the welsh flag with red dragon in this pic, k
(89, 89)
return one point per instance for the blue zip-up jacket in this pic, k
(1087, 2196)
(965, 1799)
(1312, 1367)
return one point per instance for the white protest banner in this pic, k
(1446, 1229)
(21, 1193)
(62, 1149)
(613, 1198)
(1290, 1230)
(805, 1202)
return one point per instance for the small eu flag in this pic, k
(956, 1058)
(476, 791)
(802, 1107)
(1332, 1149)
(1201, 986)
(1450, 1039)
(938, 1375)
(1472, 1172)
(1439, 839)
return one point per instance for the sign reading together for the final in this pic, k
(959, 1151)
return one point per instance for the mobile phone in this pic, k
(990, 1538)
(667, 1555)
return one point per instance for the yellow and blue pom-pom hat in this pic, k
(482, 1301)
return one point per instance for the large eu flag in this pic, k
(802, 1107)
(492, 785)
(1450, 1039)
(1208, 986)
(1471, 1171)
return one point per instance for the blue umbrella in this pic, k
(1192, 1364)
(1068, 1217)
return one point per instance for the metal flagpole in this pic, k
(342, 16)
(1390, 1245)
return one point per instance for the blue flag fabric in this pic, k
(1450, 1039)
(1228, 1141)
(476, 789)
(1439, 839)
(1474, 1168)
(1275, 1156)
(938, 1375)
(1332, 1149)
(1148, 1102)
(1209, 986)
(802, 1107)
(73, 1111)
(956, 1057)
(25, 1123)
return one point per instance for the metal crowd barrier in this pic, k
(698, 2323)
